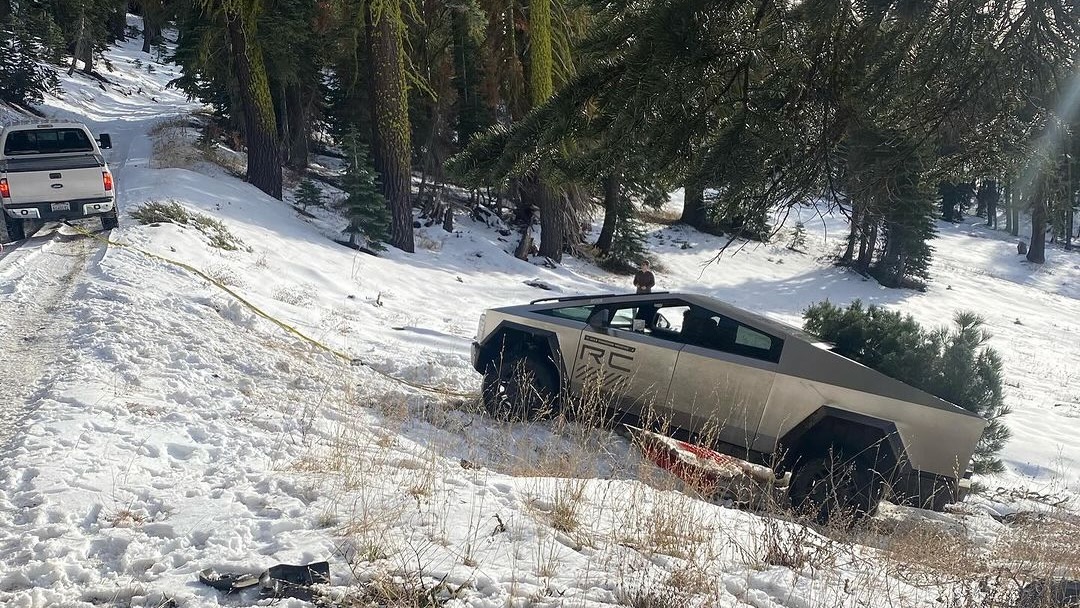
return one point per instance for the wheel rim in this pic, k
(827, 491)
(515, 393)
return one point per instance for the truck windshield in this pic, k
(47, 141)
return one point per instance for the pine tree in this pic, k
(309, 195)
(23, 79)
(627, 250)
(953, 364)
(365, 206)
(798, 238)
(970, 374)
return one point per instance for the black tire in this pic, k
(110, 220)
(16, 230)
(519, 388)
(829, 488)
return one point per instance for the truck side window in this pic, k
(573, 313)
(711, 330)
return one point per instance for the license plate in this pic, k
(61, 206)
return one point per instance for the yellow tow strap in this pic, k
(285, 326)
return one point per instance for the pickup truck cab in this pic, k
(53, 171)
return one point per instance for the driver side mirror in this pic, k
(599, 319)
(105, 141)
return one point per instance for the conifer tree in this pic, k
(626, 250)
(23, 79)
(954, 364)
(308, 194)
(365, 206)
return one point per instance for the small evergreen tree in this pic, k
(365, 206)
(969, 374)
(952, 364)
(627, 250)
(798, 238)
(309, 195)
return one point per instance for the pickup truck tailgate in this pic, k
(54, 179)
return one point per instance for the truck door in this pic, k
(624, 362)
(723, 377)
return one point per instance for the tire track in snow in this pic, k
(37, 279)
(36, 284)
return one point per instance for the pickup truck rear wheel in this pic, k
(16, 230)
(110, 220)
(520, 388)
(832, 489)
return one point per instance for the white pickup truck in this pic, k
(52, 171)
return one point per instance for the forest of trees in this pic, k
(896, 113)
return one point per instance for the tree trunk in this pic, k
(541, 87)
(525, 245)
(853, 235)
(611, 213)
(80, 43)
(260, 128)
(541, 65)
(1070, 197)
(147, 34)
(299, 135)
(992, 196)
(536, 193)
(693, 213)
(950, 199)
(868, 243)
(390, 110)
(88, 56)
(1069, 228)
(448, 219)
(1013, 205)
(1036, 253)
(1007, 200)
(892, 259)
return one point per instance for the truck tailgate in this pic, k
(54, 179)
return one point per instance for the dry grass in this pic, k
(1044, 545)
(392, 590)
(125, 518)
(182, 144)
(385, 483)
(172, 212)
(174, 145)
(660, 216)
(567, 505)
(224, 274)
(294, 295)
(925, 550)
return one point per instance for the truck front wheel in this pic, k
(520, 388)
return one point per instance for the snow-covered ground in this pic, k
(169, 428)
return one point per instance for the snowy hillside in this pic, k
(169, 428)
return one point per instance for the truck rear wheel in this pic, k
(16, 231)
(829, 488)
(523, 387)
(110, 220)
